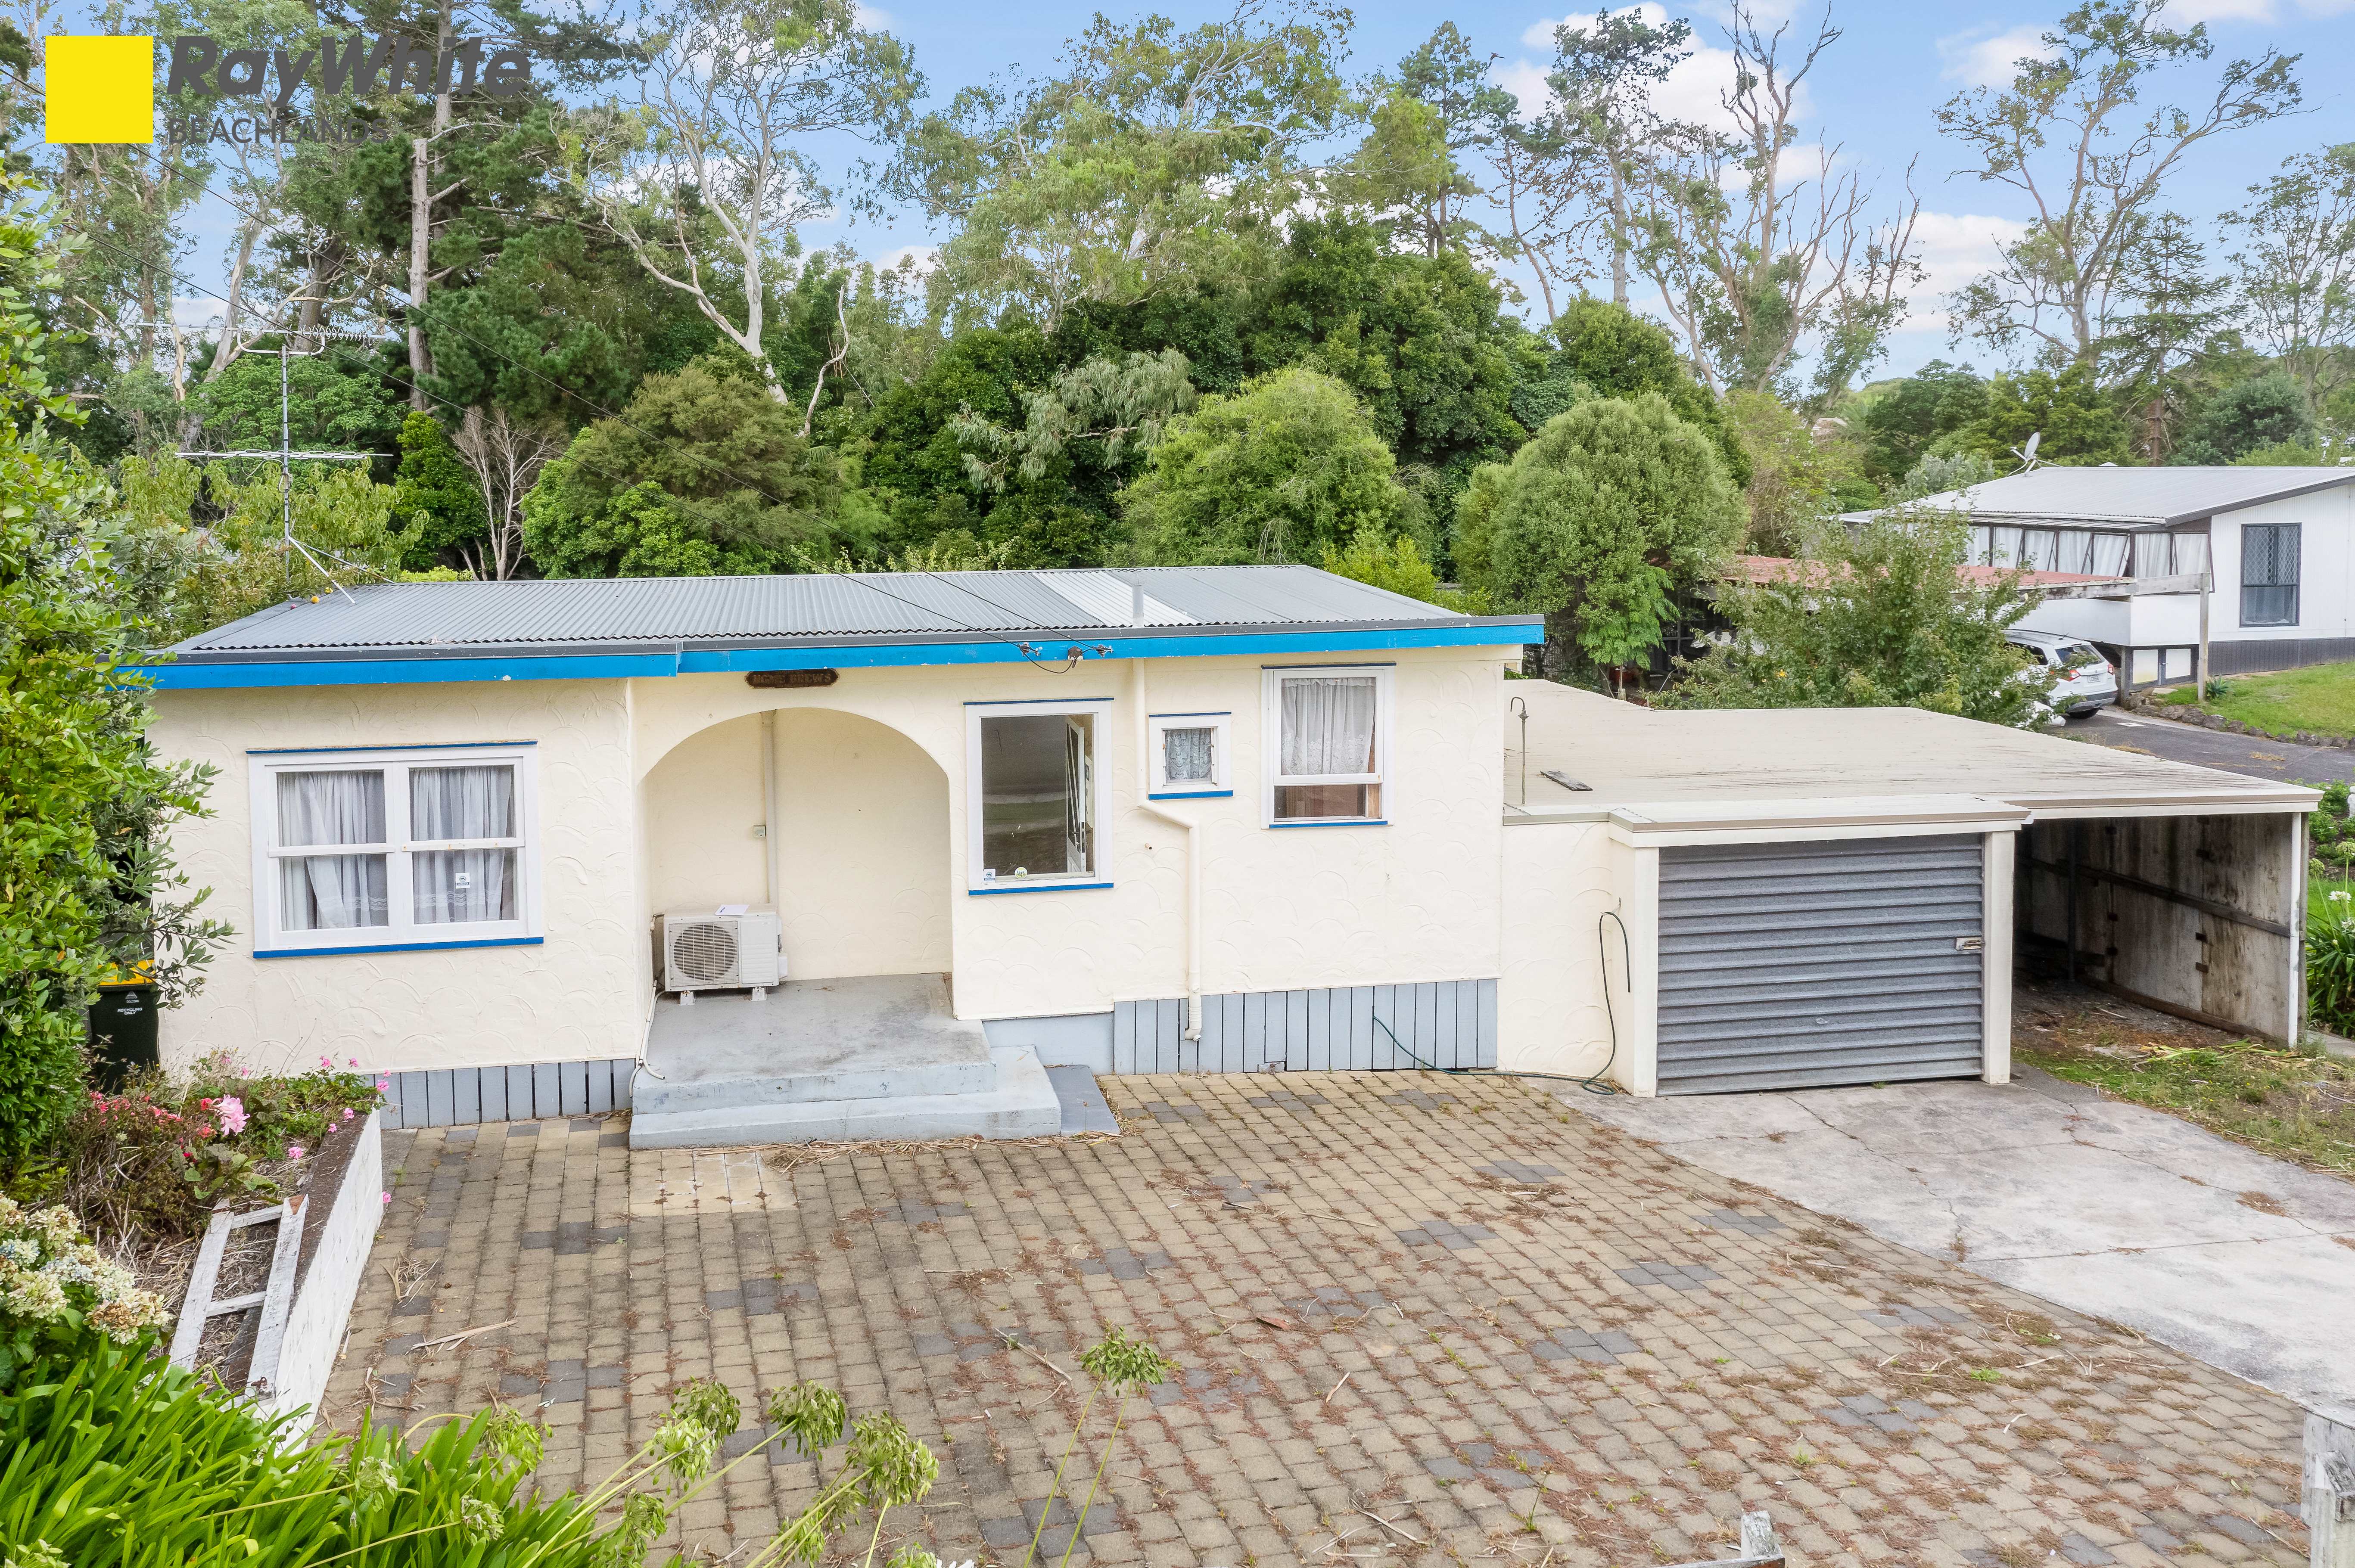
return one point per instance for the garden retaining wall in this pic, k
(338, 1229)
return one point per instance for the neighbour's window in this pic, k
(1327, 739)
(1190, 755)
(423, 847)
(1036, 794)
(2269, 569)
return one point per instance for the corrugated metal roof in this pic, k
(2132, 495)
(879, 605)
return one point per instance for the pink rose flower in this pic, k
(293, 1151)
(232, 1114)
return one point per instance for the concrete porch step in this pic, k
(1022, 1104)
(873, 1037)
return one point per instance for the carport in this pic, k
(1712, 901)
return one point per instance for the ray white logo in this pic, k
(102, 89)
(200, 66)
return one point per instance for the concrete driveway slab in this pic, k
(2104, 1208)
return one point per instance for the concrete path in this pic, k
(2247, 754)
(2104, 1208)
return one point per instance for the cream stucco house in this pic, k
(541, 848)
(1093, 808)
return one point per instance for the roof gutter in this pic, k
(206, 669)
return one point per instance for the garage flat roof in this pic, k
(1819, 766)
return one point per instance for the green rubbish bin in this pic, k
(123, 1031)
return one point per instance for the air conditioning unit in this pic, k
(741, 948)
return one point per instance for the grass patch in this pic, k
(2276, 1101)
(2319, 699)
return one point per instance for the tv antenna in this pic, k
(2027, 455)
(285, 453)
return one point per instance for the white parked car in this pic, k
(2084, 679)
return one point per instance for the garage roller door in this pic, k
(1793, 966)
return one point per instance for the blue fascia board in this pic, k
(187, 675)
(183, 676)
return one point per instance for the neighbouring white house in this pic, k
(2259, 562)
(912, 855)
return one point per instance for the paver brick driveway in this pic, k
(1510, 1333)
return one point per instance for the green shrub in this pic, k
(2330, 969)
(152, 1162)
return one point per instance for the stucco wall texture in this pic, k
(569, 999)
(650, 791)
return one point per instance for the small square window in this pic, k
(1190, 755)
(1327, 744)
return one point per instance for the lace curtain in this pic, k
(331, 892)
(1328, 725)
(1187, 756)
(455, 886)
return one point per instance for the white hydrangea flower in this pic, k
(57, 1223)
(36, 1295)
(122, 1318)
(69, 1271)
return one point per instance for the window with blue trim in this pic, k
(394, 849)
(1328, 744)
(1036, 794)
(1191, 755)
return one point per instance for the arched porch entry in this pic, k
(861, 838)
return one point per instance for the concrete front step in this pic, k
(873, 1037)
(1023, 1105)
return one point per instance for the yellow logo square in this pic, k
(101, 90)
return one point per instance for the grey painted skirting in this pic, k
(2243, 654)
(460, 1096)
(1437, 1023)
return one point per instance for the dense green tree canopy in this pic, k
(717, 469)
(1606, 511)
(2267, 410)
(1619, 353)
(1282, 470)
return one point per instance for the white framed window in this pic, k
(1035, 795)
(1190, 756)
(416, 847)
(1326, 744)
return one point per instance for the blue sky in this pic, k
(1873, 96)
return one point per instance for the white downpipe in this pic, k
(1193, 852)
(769, 800)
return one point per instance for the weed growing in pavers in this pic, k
(1126, 1366)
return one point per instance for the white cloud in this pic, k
(1979, 58)
(2188, 11)
(1693, 91)
(921, 259)
(874, 19)
(1954, 247)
